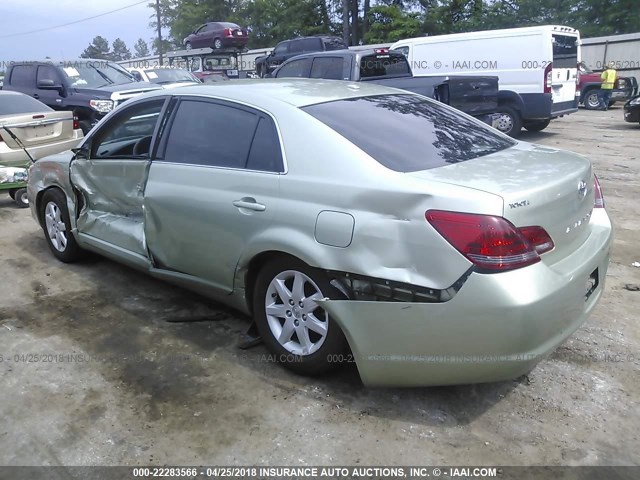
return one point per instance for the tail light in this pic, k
(228, 32)
(598, 201)
(548, 77)
(380, 50)
(490, 242)
(578, 74)
(76, 123)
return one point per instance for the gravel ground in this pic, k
(133, 371)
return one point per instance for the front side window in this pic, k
(296, 68)
(45, 72)
(408, 133)
(129, 133)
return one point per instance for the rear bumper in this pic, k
(496, 328)
(14, 156)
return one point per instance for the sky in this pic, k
(17, 16)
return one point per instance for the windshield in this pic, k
(95, 74)
(167, 75)
(408, 133)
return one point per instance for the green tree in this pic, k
(141, 49)
(99, 49)
(390, 23)
(120, 50)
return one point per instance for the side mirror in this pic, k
(48, 84)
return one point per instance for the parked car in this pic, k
(165, 77)
(217, 35)
(30, 130)
(477, 96)
(536, 67)
(589, 87)
(632, 110)
(88, 88)
(206, 64)
(290, 48)
(342, 218)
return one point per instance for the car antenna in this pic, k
(19, 142)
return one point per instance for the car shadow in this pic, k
(533, 137)
(124, 314)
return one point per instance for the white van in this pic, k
(537, 68)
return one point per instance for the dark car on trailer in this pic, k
(217, 35)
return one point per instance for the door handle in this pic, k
(249, 203)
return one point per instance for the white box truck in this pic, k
(537, 68)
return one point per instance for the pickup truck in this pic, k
(88, 88)
(477, 96)
(589, 85)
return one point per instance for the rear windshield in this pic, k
(565, 51)
(384, 65)
(17, 104)
(408, 133)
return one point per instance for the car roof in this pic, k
(299, 92)
(63, 62)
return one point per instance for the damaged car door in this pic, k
(110, 173)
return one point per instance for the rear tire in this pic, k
(54, 218)
(537, 126)
(217, 44)
(12, 193)
(297, 330)
(20, 197)
(510, 122)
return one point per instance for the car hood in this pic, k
(121, 87)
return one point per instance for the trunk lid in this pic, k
(540, 186)
(34, 129)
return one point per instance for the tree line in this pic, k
(100, 49)
(374, 21)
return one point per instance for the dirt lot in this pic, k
(139, 372)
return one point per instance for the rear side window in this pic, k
(334, 43)
(327, 67)
(565, 51)
(382, 65)
(13, 104)
(311, 44)
(295, 46)
(23, 76)
(408, 133)
(296, 68)
(265, 153)
(207, 133)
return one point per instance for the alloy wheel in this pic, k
(56, 229)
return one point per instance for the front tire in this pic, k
(292, 325)
(509, 122)
(187, 45)
(20, 197)
(592, 100)
(54, 218)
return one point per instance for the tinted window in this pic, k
(46, 72)
(295, 46)
(205, 133)
(327, 67)
(23, 76)
(408, 133)
(565, 51)
(14, 104)
(281, 48)
(296, 68)
(133, 127)
(265, 153)
(381, 65)
(334, 43)
(311, 44)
